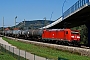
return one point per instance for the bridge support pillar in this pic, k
(88, 26)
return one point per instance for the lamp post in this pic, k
(15, 21)
(44, 21)
(3, 26)
(51, 17)
(24, 24)
(63, 6)
(15, 26)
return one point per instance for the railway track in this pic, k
(83, 50)
(81, 46)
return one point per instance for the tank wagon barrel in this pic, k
(35, 32)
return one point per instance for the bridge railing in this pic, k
(75, 7)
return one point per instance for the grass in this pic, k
(46, 52)
(6, 56)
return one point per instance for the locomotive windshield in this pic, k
(74, 32)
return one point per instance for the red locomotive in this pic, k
(62, 35)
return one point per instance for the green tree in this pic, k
(83, 33)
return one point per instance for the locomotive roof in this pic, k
(56, 29)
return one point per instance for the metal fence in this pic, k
(20, 54)
(76, 6)
(12, 51)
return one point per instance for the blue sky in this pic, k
(31, 10)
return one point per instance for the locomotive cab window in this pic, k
(66, 32)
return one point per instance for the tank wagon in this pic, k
(34, 34)
(9, 33)
(16, 33)
(1, 32)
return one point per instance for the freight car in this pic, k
(8, 32)
(34, 34)
(1, 33)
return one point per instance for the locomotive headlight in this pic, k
(28, 32)
(78, 36)
(72, 36)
